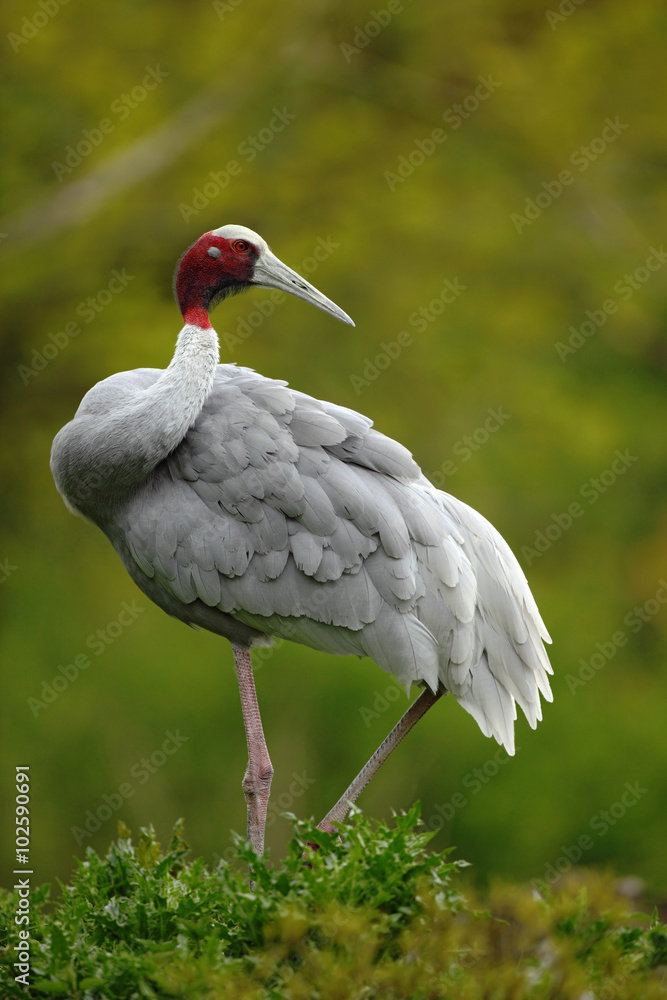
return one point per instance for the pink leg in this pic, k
(418, 708)
(258, 775)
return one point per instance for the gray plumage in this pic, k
(280, 515)
(242, 506)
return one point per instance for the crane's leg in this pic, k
(418, 708)
(259, 772)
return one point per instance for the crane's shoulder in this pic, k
(117, 389)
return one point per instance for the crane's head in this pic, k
(231, 259)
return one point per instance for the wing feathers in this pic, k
(296, 518)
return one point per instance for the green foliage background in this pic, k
(323, 176)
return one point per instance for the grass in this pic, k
(372, 914)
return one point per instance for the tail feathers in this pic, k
(403, 646)
(490, 704)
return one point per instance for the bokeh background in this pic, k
(514, 149)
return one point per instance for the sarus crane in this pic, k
(244, 507)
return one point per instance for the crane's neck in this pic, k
(115, 441)
(173, 403)
(197, 316)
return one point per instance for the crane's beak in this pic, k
(272, 273)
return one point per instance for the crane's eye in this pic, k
(241, 246)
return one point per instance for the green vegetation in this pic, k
(368, 914)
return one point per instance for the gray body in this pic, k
(249, 509)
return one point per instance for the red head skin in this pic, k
(202, 280)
